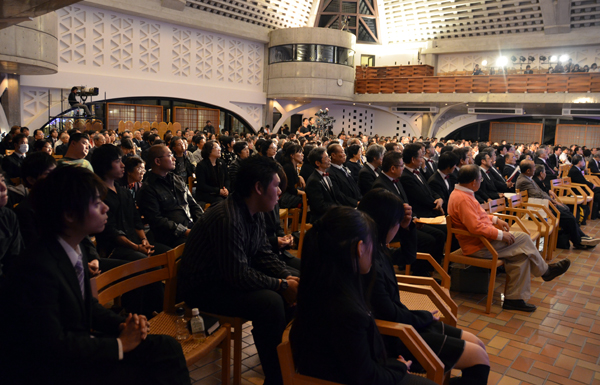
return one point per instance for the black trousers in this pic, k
(430, 239)
(266, 309)
(569, 224)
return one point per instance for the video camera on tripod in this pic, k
(324, 122)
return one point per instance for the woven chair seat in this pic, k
(415, 301)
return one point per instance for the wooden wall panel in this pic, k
(515, 132)
(580, 134)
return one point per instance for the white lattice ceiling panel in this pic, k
(420, 20)
(585, 13)
(266, 13)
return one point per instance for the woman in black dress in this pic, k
(354, 162)
(334, 336)
(212, 178)
(456, 348)
(292, 157)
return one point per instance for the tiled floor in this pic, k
(557, 344)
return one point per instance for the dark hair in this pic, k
(410, 151)
(35, 132)
(461, 152)
(78, 137)
(67, 191)
(480, 157)
(447, 160)
(385, 208)
(390, 146)
(587, 153)
(73, 89)
(306, 150)
(207, 149)
(238, 147)
(39, 145)
(254, 169)
(264, 146)
(501, 147)
(17, 138)
(353, 150)
(316, 155)
(102, 158)
(35, 165)
(390, 159)
(127, 144)
(330, 263)
(539, 168)
(131, 162)
(290, 150)
(468, 173)
(225, 140)
(197, 138)
(576, 159)
(448, 148)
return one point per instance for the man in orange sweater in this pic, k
(519, 253)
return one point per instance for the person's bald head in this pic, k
(527, 167)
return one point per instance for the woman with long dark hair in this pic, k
(334, 336)
(292, 157)
(456, 348)
(212, 178)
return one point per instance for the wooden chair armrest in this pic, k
(550, 210)
(439, 303)
(413, 341)
(437, 267)
(515, 220)
(428, 281)
(535, 217)
(301, 192)
(585, 187)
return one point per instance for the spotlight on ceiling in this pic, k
(543, 58)
(484, 63)
(553, 58)
(513, 58)
(522, 58)
(531, 58)
(564, 58)
(501, 61)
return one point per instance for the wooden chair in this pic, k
(9, 152)
(15, 181)
(115, 282)
(283, 218)
(534, 221)
(176, 127)
(521, 200)
(137, 125)
(304, 227)
(129, 125)
(584, 189)
(566, 195)
(191, 183)
(424, 293)
(409, 336)
(563, 170)
(498, 208)
(146, 126)
(154, 125)
(57, 157)
(121, 126)
(458, 257)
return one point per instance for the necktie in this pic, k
(325, 174)
(416, 172)
(395, 181)
(80, 275)
(447, 177)
(488, 172)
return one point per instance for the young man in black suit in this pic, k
(11, 164)
(594, 164)
(340, 175)
(553, 160)
(370, 171)
(443, 180)
(321, 192)
(576, 175)
(77, 340)
(488, 189)
(429, 239)
(424, 202)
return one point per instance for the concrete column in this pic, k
(425, 125)
(11, 100)
(268, 114)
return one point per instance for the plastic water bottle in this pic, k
(181, 333)
(197, 326)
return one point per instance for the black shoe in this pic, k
(556, 269)
(581, 246)
(518, 304)
(589, 241)
(500, 270)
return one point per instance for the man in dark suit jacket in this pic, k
(594, 164)
(370, 170)
(424, 201)
(52, 306)
(321, 193)
(501, 152)
(510, 172)
(542, 158)
(488, 189)
(340, 176)
(11, 164)
(429, 239)
(443, 180)
(553, 160)
(576, 175)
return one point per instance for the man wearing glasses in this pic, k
(165, 201)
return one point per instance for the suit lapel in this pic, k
(69, 274)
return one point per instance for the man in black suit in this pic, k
(370, 170)
(209, 128)
(553, 160)
(501, 152)
(429, 239)
(542, 158)
(340, 175)
(424, 202)
(77, 340)
(488, 189)
(511, 172)
(576, 175)
(429, 165)
(11, 164)
(443, 180)
(321, 193)
(594, 164)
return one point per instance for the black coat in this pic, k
(354, 168)
(320, 197)
(209, 183)
(487, 190)
(384, 182)
(366, 178)
(11, 165)
(346, 185)
(436, 184)
(593, 166)
(420, 196)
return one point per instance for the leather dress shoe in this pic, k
(518, 304)
(556, 269)
(581, 246)
(589, 241)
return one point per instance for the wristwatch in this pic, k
(283, 287)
